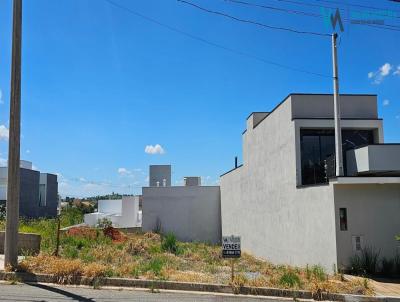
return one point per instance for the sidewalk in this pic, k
(2, 261)
(382, 286)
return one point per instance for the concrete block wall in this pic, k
(192, 213)
(27, 243)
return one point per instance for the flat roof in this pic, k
(296, 93)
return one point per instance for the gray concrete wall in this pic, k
(192, 181)
(29, 195)
(158, 173)
(27, 243)
(50, 209)
(321, 106)
(261, 202)
(373, 211)
(192, 213)
(374, 159)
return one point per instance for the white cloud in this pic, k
(157, 149)
(4, 133)
(124, 171)
(397, 71)
(81, 179)
(3, 162)
(385, 69)
(35, 168)
(1, 97)
(28, 151)
(385, 102)
(379, 76)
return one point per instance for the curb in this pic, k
(199, 287)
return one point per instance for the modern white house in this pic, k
(123, 213)
(192, 211)
(284, 200)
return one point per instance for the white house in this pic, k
(285, 202)
(123, 213)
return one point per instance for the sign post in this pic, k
(231, 249)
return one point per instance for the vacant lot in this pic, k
(97, 253)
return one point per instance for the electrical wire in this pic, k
(358, 5)
(252, 22)
(333, 7)
(307, 14)
(216, 45)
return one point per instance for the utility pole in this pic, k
(336, 102)
(13, 187)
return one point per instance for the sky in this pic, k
(112, 86)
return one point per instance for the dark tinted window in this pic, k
(319, 145)
(343, 219)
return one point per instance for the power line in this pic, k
(291, 11)
(308, 14)
(358, 5)
(334, 7)
(197, 38)
(253, 22)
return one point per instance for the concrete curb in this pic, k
(199, 287)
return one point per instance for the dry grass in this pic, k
(141, 256)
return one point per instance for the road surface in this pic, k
(47, 292)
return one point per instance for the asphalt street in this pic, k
(47, 292)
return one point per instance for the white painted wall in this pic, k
(373, 211)
(192, 213)
(110, 206)
(130, 212)
(123, 213)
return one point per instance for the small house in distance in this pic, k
(38, 191)
(122, 213)
(192, 212)
(293, 208)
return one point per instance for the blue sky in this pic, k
(100, 84)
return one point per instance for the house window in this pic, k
(42, 195)
(343, 219)
(318, 151)
(358, 242)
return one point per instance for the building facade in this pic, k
(122, 213)
(38, 192)
(192, 212)
(285, 202)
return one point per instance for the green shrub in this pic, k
(155, 265)
(370, 258)
(71, 216)
(397, 263)
(290, 279)
(319, 272)
(366, 263)
(387, 266)
(169, 244)
(308, 272)
(70, 252)
(356, 265)
(104, 223)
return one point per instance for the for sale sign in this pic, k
(231, 246)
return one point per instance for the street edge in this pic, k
(186, 286)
